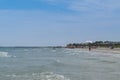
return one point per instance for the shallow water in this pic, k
(57, 64)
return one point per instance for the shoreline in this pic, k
(104, 50)
(107, 50)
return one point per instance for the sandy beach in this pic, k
(107, 50)
(104, 50)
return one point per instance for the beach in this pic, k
(104, 50)
(107, 50)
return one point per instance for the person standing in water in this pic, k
(89, 44)
(89, 47)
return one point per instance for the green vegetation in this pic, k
(105, 44)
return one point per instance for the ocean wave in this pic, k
(53, 51)
(52, 76)
(73, 52)
(105, 54)
(25, 50)
(58, 63)
(38, 76)
(5, 54)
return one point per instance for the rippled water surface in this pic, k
(57, 64)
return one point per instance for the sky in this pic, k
(58, 22)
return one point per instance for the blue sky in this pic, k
(58, 22)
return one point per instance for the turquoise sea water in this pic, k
(57, 64)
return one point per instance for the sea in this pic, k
(37, 63)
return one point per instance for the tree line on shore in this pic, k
(96, 44)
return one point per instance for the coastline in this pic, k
(107, 50)
(103, 50)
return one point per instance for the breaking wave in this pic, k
(5, 54)
(38, 76)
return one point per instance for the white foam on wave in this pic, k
(52, 76)
(38, 76)
(75, 51)
(5, 54)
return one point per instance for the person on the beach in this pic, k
(89, 48)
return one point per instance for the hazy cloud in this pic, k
(88, 5)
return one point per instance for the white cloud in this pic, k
(87, 5)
